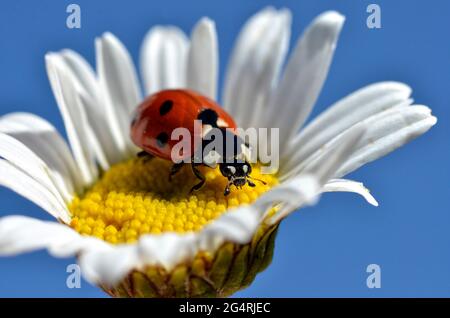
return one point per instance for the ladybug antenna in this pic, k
(262, 181)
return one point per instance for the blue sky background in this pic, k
(321, 251)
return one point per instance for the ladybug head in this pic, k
(238, 174)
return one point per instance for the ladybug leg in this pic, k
(175, 168)
(144, 155)
(200, 176)
(251, 183)
(227, 189)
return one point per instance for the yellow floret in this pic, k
(135, 197)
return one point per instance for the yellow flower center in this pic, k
(135, 197)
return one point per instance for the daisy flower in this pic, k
(135, 233)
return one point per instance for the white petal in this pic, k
(167, 249)
(78, 246)
(88, 94)
(379, 125)
(203, 64)
(304, 76)
(44, 140)
(77, 127)
(292, 194)
(96, 265)
(317, 174)
(358, 106)
(163, 59)
(118, 74)
(245, 44)
(18, 181)
(103, 139)
(170, 249)
(120, 86)
(238, 225)
(388, 134)
(91, 96)
(335, 154)
(20, 234)
(255, 64)
(343, 185)
(26, 160)
(82, 71)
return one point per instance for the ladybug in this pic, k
(161, 113)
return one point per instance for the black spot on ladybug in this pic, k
(165, 107)
(133, 121)
(162, 139)
(208, 117)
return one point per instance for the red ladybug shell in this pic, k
(159, 114)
